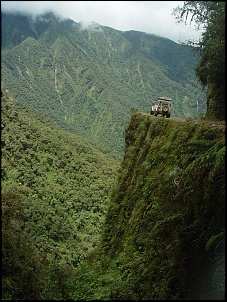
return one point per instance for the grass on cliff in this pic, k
(163, 236)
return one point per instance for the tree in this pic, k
(22, 276)
(210, 70)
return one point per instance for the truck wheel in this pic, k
(167, 115)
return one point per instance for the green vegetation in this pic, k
(55, 192)
(77, 225)
(162, 228)
(210, 69)
(88, 80)
(163, 236)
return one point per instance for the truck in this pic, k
(162, 106)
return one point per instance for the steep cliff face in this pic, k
(164, 230)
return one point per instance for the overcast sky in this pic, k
(153, 17)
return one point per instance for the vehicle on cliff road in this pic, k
(162, 106)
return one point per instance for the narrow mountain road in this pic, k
(220, 124)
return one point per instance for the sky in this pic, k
(153, 17)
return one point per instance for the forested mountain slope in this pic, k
(63, 181)
(88, 79)
(163, 236)
(164, 233)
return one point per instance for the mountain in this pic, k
(73, 231)
(89, 80)
(164, 232)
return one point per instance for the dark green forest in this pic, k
(55, 191)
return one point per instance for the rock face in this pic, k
(215, 107)
(165, 225)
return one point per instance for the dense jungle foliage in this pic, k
(164, 233)
(55, 192)
(162, 229)
(210, 70)
(88, 79)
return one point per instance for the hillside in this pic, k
(88, 80)
(63, 180)
(72, 230)
(164, 233)
(100, 200)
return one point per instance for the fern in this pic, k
(212, 239)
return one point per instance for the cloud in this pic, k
(92, 26)
(153, 17)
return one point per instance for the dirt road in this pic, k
(221, 124)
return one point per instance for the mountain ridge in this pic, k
(88, 80)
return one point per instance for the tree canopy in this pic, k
(210, 70)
